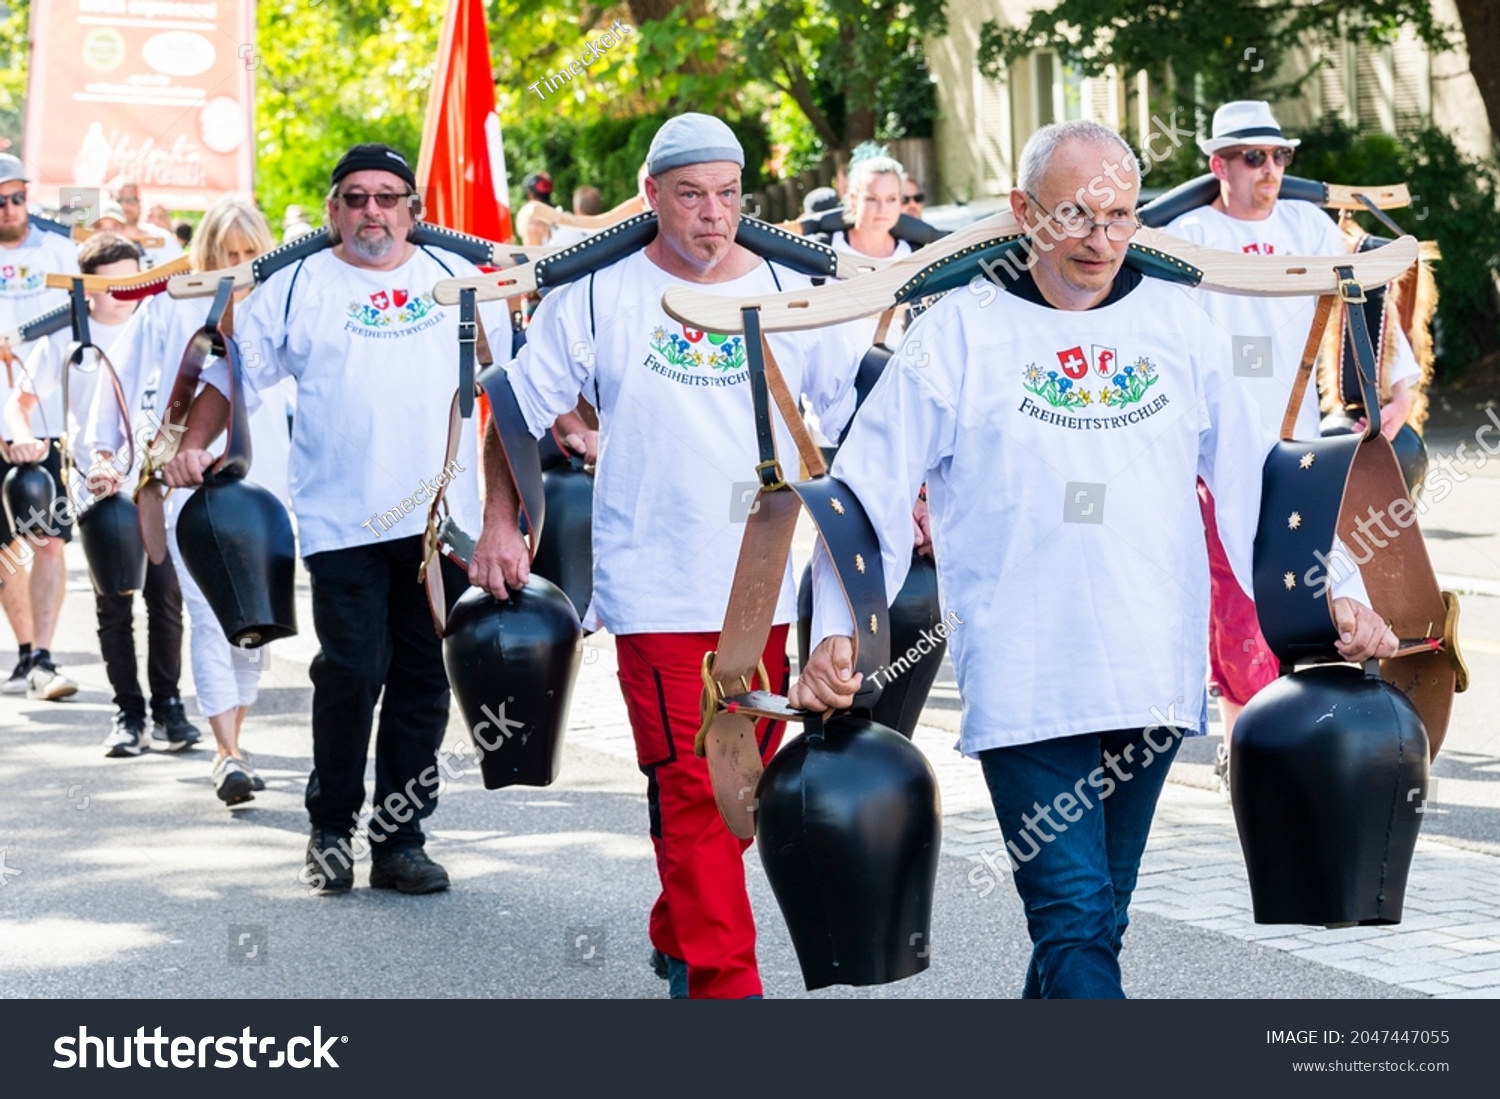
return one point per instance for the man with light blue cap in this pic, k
(676, 456)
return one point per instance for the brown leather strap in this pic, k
(807, 450)
(1320, 323)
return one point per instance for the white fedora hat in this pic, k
(1245, 122)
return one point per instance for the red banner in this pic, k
(156, 91)
(461, 169)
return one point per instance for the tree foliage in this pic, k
(1226, 49)
(833, 57)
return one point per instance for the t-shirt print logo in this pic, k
(1260, 249)
(20, 279)
(388, 308)
(694, 349)
(1126, 387)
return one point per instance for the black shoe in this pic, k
(330, 862)
(17, 683)
(410, 871)
(127, 736)
(659, 963)
(172, 731)
(232, 781)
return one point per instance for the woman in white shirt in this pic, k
(227, 678)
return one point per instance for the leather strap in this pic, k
(213, 340)
(523, 459)
(1309, 358)
(730, 704)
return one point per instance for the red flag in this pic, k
(462, 165)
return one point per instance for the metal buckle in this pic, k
(1351, 292)
(711, 702)
(774, 465)
(1450, 644)
(468, 332)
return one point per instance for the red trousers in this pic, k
(1240, 663)
(703, 913)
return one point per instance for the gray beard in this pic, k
(366, 249)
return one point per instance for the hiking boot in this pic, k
(16, 684)
(127, 736)
(330, 862)
(171, 731)
(231, 782)
(45, 683)
(410, 871)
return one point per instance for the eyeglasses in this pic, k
(920, 196)
(386, 200)
(17, 199)
(1254, 158)
(1075, 227)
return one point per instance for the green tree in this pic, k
(834, 57)
(15, 43)
(1215, 50)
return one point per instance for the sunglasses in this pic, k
(920, 196)
(386, 200)
(1257, 157)
(17, 199)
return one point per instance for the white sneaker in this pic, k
(46, 683)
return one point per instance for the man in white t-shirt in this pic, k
(375, 364)
(1060, 428)
(27, 256)
(1249, 154)
(676, 460)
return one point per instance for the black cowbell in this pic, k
(848, 822)
(916, 609)
(111, 535)
(1328, 778)
(511, 665)
(29, 491)
(565, 554)
(237, 543)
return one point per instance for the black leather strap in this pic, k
(801, 254)
(1353, 297)
(520, 446)
(600, 250)
(769, 470)
(468, 339)
(263, 267)
(53, 320)
(854, 549)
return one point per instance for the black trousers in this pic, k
(163, 640)
(376, 642)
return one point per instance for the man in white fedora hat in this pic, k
(1249, 154)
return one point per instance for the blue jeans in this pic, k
(1076, 812)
